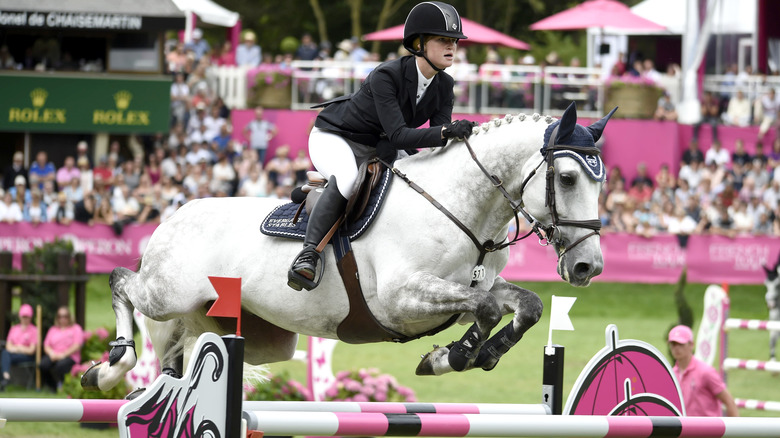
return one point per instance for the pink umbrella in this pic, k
(477, 33)
(596, 13)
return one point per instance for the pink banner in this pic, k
(627, 258)
(105, 251)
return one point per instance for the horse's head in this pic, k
(772, 283)
(561, 191)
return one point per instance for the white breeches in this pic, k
(331, 155)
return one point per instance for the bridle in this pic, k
(548, 234)
(552, 234)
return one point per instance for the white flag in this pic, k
(559, 313)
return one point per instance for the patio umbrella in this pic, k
(596, 13)
(477, 33)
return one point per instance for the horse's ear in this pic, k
(597, 128)
(567, 124)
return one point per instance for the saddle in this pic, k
(369, 175)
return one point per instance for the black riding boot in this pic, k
(329, 207)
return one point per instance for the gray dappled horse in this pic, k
(772, 298)
(416, 264)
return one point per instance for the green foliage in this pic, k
(44, 260)
(93, 350)
(289, 44)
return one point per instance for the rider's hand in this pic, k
(458, 129)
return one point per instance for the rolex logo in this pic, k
(122, 99)
(38, 97)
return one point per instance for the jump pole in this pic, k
(751, 324)
(492, 425)
(397, 408)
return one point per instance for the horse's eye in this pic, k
(568, 179)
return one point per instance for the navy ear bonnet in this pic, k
(569, 133)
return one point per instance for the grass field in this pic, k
(640, 311)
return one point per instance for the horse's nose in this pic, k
(585, 271)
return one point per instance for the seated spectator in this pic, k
(168, 190)
(738, 110)
(34, 212)
(61, 211)
(710, 114)
(642, 175)
(646, 220)
(49, 193)
(10, 211)
(198, 154)
(681, 225)
(249, 53)
(62, 349)
(764, 226)
(743, 221)
(766, 110)
(774, 155)
(723, 225)
(256, 184)
(716, 154)
(15, 169)
(693, 153)
(640, 192)
(221, 141)
(759, 155)
(301, 165)
(19, 346)
(87, 175)
(615, 174)
(19, 192)
(665, 110)
(104, 171)
(41, 170)
(740, 156)
(67, 172)
(280, 168)
(84, 210)
(223, 176)
(665, 180)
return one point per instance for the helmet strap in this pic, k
(421, 53)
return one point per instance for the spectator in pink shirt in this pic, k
(62, 348)
(67, 172)
(703, 389)
(20, 344)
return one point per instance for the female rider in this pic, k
(381, 118)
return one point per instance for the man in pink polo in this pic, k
(703, 389)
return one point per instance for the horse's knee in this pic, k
(530, 310)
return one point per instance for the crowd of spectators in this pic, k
(715, 192)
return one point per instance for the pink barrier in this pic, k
(627, 258)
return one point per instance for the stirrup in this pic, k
(298, 281)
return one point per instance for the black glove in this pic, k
(459, 129)
(385, 151)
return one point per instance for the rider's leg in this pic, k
(326, 212)
(332, 156)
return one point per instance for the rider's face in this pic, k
(441, 50)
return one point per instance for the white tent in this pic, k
(208, 12)
(730, 16)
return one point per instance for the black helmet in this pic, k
(432, 18)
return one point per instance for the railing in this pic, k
(753, 86)
(485, 89)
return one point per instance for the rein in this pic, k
(547, 234)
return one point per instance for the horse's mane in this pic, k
(492, 125)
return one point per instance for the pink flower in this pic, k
(360, 398)
(380, 396)
(332, 392)
(352, 386)
(102, 332)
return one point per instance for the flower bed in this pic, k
(269, 86)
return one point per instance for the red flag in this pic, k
(229, 299)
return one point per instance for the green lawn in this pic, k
(640, 311)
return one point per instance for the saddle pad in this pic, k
(279, 222)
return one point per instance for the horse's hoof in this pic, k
(135, 394)
(425, 367)
(89, 380)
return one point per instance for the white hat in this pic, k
(20, 180)
(197, 33)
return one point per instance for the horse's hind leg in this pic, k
(122, 358)
(527, 308)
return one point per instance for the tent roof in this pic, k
(209, 12)
(147, 8)
(731, 16)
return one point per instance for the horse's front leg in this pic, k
(527, 308)
(426, 296)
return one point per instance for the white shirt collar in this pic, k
(422, 83)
